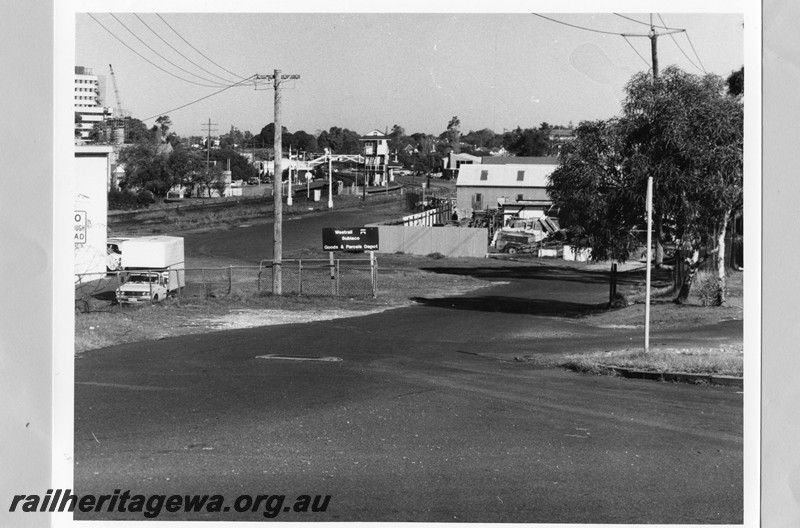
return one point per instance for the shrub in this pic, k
(708, 291)
(145, 198)
(122, 200)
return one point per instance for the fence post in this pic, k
(612, 289)
(333, 274)
(336, 292)
(373, 275)
(299, 277)
(230, 279)
(203, 278)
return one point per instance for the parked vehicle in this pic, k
(512, 242)
(153, 269)
(114, 253)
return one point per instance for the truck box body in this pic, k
(153, 252)
(161, 255)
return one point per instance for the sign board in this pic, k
(80, 227)
(350, 239)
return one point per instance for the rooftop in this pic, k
(519, 160)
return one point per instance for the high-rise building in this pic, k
(88, 102)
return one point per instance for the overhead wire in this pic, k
(197, 50)
(145, 58)
(664, 26)
(178, 51)
(695, 51)
(636, 51)
(680, 48)
(214, 83)
(645, 23)
(202, 98)
(576, 26)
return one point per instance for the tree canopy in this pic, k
(149, 166)
(340, 141)
(683, 130)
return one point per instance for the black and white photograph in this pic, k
(406, 264)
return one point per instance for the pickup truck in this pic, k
(144, 287)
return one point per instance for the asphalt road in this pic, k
(251, 242)
(425, 417)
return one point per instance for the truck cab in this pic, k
(143, 287)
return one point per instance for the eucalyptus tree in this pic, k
(685, 132)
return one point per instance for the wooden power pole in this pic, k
(209, 128)
(277, 233)
(653, 36)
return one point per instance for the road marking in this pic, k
(298, 358)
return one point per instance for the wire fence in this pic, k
(301, 277)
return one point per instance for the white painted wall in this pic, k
(92, 171)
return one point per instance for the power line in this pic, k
(644, 23)
(197, 50)
(577, 27)
(145, 58)
(695, 51)
(178, 51)
(202, 98)
(680, 48)
(214, 83)
(636, 51)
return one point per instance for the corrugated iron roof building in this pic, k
(492, 186)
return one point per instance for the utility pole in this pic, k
(208, 146)
(649, 201)
(653, 36)
(277, 233)
(289, 185)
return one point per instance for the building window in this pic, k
(519, 198)
(521, 175)
(484, 176)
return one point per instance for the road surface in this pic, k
(422, 416)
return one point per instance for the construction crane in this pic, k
(116, 93)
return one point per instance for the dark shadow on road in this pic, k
(550, 273)
(515, 305)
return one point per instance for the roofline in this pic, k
(504, 186)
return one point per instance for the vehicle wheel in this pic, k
(512, 251)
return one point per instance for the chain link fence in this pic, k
(302, 277)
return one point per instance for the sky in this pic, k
(366, 71)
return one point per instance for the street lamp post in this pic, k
(330, 178)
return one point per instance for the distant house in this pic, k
(376, 154)
(505, 183)
(453, 161)
(561, 135)
(519, 160)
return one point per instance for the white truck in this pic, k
(152, 269)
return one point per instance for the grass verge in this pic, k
(722, 361)
(103, 324)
